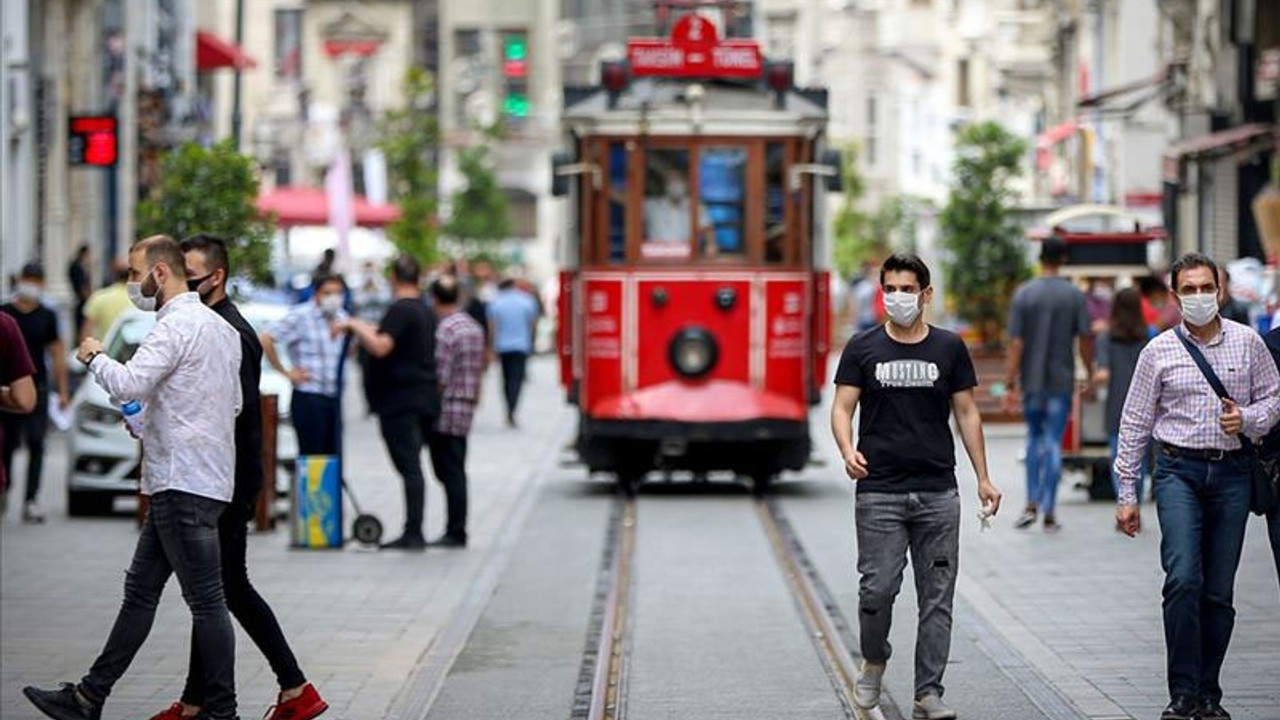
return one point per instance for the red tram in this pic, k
(694, 311)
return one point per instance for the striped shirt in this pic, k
(460, 349)
(308, 337)
(1171, 401)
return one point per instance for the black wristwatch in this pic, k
(89, 361)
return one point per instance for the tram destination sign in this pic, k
(695, 49)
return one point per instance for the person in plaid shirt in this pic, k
(1202, 482)
(460, 354)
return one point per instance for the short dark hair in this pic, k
(212, 247)
(405, 270)
(319, 280)
(1192, 260)
(161, 249)
(32, 270)
(445, 290)
(1053, 251)
(507, 283)
(906, 262)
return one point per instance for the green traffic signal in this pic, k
(516, 48)
(516, 105)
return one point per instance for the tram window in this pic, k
(618, 169)
(668, 208)
(775, 196)
(722, 178)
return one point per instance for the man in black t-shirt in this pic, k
(908, 377)
(39, 327)
(402, 390)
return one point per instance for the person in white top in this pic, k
(186, 374)
(668, 217)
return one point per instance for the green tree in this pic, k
(479, 214)
(408, 137)
(986, 259)
(211, 190)
(854, 240)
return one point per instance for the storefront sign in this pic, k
(695, 50)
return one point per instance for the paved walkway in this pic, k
(360, 622)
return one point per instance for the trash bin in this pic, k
(316, 513)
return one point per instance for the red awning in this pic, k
(212, 52)
(295, 206)
(1243, 138)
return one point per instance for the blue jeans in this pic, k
(1046, 415)
(1203, 508)
(1113, 441)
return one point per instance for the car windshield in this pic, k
(125, 341)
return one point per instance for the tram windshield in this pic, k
(711, 200)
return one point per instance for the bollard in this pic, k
(264, 517)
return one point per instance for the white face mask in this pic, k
(27, 291)
(330, 305)
(902, 307)
(1199, 310)
(140, 301)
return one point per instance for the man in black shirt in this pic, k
(207, 268)
(908, 377)
(39, 327)
(403, 390)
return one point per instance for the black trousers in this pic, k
(405, 432)
(179, 537)
(513, 371)
(315, 419)
(449, 460)
(29, 429)
(247, 607)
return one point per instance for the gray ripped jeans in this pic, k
(928, 523)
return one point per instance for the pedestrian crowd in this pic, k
(1192, 402)
(196, 377)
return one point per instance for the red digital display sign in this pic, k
(93, 140)
(695, 50)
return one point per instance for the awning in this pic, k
(212, 52)
(294, 206)
(1129, 93)
(1245, 139)
(1047, 139)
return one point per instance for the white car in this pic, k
(105, 462)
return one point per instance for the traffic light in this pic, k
(515, 75)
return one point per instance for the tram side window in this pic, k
(668, 209)
(722, 178)
(775, 197)
(618, 168)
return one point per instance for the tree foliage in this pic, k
(986, 259)
(211, 190)
(408, 137)
(478, 212)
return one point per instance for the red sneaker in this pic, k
(304, 707)
(173, 713)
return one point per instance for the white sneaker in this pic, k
(866, 692)
(931, 707)
(31, 514)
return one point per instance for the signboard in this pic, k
(695, 50)
(92, 140)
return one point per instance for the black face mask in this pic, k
(194, 283)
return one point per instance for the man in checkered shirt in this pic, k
(460, 349)
(1202, 482)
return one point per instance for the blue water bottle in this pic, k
(132, 412)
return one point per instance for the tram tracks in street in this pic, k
(602, 689)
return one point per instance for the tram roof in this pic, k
(727, 109)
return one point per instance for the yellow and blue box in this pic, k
(317, 503)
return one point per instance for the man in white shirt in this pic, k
(668, 217)
(186, 374)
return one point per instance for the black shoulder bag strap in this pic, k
(1204, 366)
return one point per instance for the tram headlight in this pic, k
(694, 352)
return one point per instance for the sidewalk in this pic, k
(1083, 606)
(359, 621)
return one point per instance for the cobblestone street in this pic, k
(1061, 626)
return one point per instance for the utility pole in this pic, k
(235, 92)
(127, 165)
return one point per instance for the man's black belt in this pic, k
(1212, 454)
